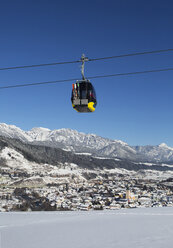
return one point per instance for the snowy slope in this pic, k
(14, 132)
(61, 167)
(161, 152)
(135, 228)
(71, 140)
(121, 150)
(38, 174)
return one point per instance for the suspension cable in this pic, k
(92, 59)
(91, 77)
(132, 54)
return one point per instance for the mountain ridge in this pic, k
(72, 140)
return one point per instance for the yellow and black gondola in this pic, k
(83, 96)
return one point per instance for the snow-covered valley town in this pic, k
(69, 187)
(43, 176)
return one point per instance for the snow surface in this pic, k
(133, 228)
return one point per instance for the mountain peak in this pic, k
(14, 132)
(121, 142)
(164, 145)
(40, 129)
(4, 125)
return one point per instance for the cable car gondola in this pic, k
(83, 94)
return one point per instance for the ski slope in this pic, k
(145, 227)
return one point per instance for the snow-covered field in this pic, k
(145, 227)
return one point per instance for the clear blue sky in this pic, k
(136, 109)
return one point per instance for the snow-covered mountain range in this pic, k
(71, 140)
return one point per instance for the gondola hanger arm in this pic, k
(83, 60)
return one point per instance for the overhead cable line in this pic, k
(92, 77)
(39, 65)
(92, 59)
(132, 54)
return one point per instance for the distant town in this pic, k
(20, 191)
(64, 170)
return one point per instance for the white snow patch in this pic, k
(83, 153)
(118, 228)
